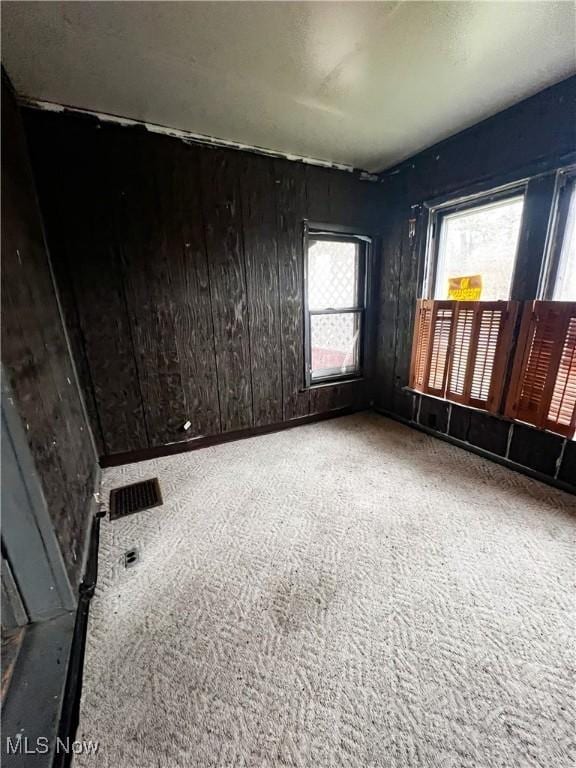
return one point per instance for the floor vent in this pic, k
(134, 498)
(131, 557)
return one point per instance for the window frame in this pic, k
(438, 212)
(565, 184)
(363, 243)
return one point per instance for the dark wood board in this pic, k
(330, 397)
(146, 278)
(190, 288)
(227, 270)
(261, 253)
(537, 214)
(166, 283)
(387, 308)
(81, 220)
(35, 352)
(290, 179)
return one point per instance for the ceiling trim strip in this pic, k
(188, 136)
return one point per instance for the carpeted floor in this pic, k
(351, 593)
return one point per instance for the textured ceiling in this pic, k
(365, 84)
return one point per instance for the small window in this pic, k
(335, 305)
(562, 280)
(476, 241)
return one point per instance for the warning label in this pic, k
(467, 288)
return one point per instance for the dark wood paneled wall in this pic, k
(532, 138)
(35, 353)
(181, 275)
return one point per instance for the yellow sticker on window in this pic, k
(467, 288)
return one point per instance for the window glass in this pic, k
(480, 241)
(332, 274)
(335, 342)
(565, 287)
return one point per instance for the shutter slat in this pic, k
(441, 337)
(420, 343)
(464, 324)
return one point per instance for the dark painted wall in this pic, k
(534, 137)
(35, 354)
(180, 269)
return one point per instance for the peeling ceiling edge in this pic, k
(190, 136)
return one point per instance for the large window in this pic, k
(493, 334)
(335, 305)
(475, 248)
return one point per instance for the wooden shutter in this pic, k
(433, 328)
(543, 385)
(480, 352)
(420, 343)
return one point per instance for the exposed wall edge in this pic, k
(189, 136)
(481, 452)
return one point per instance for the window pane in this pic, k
(332, 274)
(481, 241)
(565, 288)
(335, 342)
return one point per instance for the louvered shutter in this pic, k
(440, 342)
(420, 343)
(433, 327)
(543, 386)
(480, 352)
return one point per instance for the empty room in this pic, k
(288, 333)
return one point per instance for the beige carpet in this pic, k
(351, 593)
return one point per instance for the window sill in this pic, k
(332, 382)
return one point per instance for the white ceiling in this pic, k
(360, 83)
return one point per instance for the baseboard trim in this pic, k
(196, 444)
(502, 460)
(70, 712)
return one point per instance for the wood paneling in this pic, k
(223, 225)
(261, 254)
(291, 207)
(190, 290)
(35, 353)
(146, 267)
(183, 275)
(165, 278)
(73, 185)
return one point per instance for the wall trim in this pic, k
(502, 460)
(70, 712)
(142, 454)
(92, 513)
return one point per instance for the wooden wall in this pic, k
(180, 268)
(35, 354)
(530, 139)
